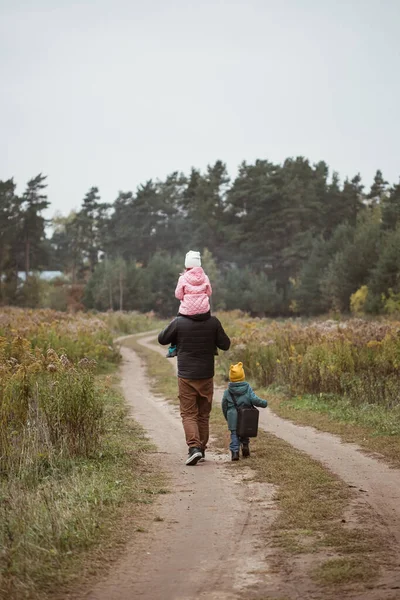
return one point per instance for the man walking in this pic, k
(196, 338)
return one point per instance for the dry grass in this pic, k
(72, 465)
(344, 570)
(131, 322)
(75, 335)
(48, 529)
(356, 358)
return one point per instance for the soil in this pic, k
(192, 549)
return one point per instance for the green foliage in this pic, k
(377, 193)
(275, 223)
(310, 293)
(386, 274)
(162, 273)
(116, 284)
(352, 265)
(391, 208)
(391, 304)
(262, 297)
(217, 300)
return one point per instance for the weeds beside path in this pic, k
(75, 472)
(58, 531)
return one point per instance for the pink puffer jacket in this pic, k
(193, 290)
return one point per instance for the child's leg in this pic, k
(245, 447)
(234, 446)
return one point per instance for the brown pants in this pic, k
(195, 397)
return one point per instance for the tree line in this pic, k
(280, 239)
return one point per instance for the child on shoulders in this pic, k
(193, 290)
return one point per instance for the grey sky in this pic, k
(111, 93)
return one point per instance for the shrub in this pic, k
(49, 407)
(358, 300)
(391, 304)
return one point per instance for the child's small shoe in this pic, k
(235, 456)
(172, 352)
(245, 451)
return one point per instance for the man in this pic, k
(196, 338)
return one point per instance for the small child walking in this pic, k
(193, 290)
(244, 396)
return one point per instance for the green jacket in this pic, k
(244, 396)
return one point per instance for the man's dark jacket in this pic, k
(196, 338)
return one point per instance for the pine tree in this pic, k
(386, 275)
(10, 226)
(90, 221)
(34, 202)
(68, 246)
(351, 266)
(391, 208)
(351, 200)
(203, 205)
(378, 189)
(120, 230)
(310, 294)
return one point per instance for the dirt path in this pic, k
(198, 524)
(190, 551)
(378, 483)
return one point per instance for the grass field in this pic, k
(71, 463)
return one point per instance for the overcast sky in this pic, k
(112, 93)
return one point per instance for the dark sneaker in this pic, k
(235, 456)
(245, 451)
(203, 455)
(195, 455)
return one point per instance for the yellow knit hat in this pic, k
(236, 372)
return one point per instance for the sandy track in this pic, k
(202, 518)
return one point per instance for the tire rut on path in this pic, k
(378, 483)
(191, 552)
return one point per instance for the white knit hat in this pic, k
(192, 259)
